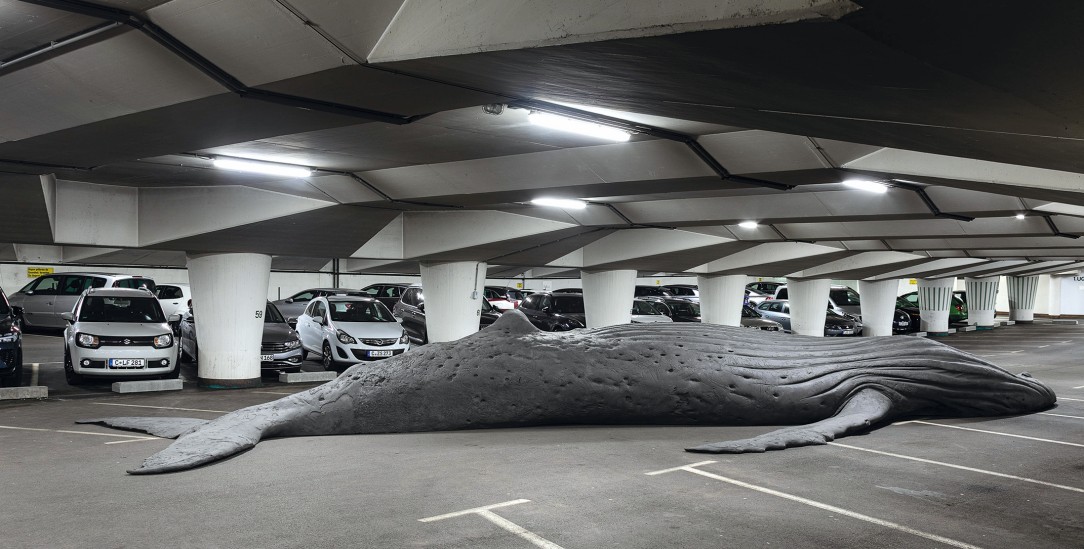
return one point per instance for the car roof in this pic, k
(340, 298)
(95, 273)
(119, 292)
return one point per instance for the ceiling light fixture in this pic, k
(573, 125)
(1020, 216)
(871, 186)
(268, 168)
(564, 203)
(748, 224)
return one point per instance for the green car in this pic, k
(957, 311)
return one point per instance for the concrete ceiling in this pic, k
(744, 110)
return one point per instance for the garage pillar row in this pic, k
(1022, 292)
(229, 297)
(981, 300)
(453, 294)
(607, 296)
(721, 298)
(808, 305)
(934, 300)
(878, 306)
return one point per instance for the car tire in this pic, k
(175, 374)
(14, 379)
(69, 371)
(328, 359)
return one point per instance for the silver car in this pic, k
(115, 332)
(345, 330)
(293, 306)
(45, 298)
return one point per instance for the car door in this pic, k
(413, 317)
(306, 329)
(784, 315)
(37, 300)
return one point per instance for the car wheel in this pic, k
(328, 358)
(69, 371)
(15, 379)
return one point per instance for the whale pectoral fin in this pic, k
(165, 427)
(862, 410)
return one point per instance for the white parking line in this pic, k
(1002, 434)
(160, 407)
(34, 374)
(1073, 399)
(135, 438)
(1081, 387)
(504, 523)
(1059, 415)
(272, 393)
(831, 508)
(983, 471)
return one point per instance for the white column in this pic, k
(453, 294)
(607, 296)
(1054, 299)
(721, 298)
(229, 297)
(878, 306)
(981, 300)
(934, 300)
(808, 305)
(1022, 290)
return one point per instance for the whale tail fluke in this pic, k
(165, 427)
(862, 410)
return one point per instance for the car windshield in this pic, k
(120, 309)
(568, 304)
(684, 309)
(272, 316)
(844, 297)
(359, 311)
(748, 312)
(652, 291)
(680, 290)
(643, 308)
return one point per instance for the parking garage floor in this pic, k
(992, 482)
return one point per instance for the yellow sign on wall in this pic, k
(519, 285)
(34, 272)
(913, 281)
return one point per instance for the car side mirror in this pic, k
(68, 317)
(547, 310)
(289, 300)
(29, 292)
(318, 319)
(421, 307)
(173, 318)
(292, 322)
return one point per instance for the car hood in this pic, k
(277, 332)
(374, 330)
(839, 322)
(131, 329)
(647, 319)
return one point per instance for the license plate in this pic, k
(848, 332)
(127, 362)
(381, 353)
(267, 358)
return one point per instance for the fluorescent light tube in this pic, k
(748, 224)
(871, 186)
(1020, 216)
(261, 167)
(581, 127)
(565, 203)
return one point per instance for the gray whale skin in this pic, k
(512, 375)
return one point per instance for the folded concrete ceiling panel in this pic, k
(25, 195)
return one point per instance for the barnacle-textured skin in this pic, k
(510, 374)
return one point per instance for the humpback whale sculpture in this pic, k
(510, 375)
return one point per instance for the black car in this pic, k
(651, 291)
(11, 344)
(690, 292)
(387, 293)
(410, 310)
(765, 288)
(566, 291)
(679, 310)
(555, 311)
(280, 349)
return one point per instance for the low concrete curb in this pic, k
(148, 385)
(918, 334)
(307, 377)
(1064, 321)
(21, 393)
(1008, 322)
(969, 328)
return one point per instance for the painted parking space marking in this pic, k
(1073, 399)
(692, 468)
(1001, 434)
(1059, 415)
(131, 438)
(487, 513)
(1081, 387)
(160, 407)
(962, 467)
(272, 393)
(34, 374)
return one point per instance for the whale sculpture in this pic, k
(511, 375)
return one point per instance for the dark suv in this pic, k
(410, 310)
(11, 344)
(554, 311)
(387, 293)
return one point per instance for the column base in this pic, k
(985, 327)
(209, 383)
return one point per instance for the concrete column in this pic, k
(934, 300)
(981, 300)
(808, 305)
(229, 297)
(453, 294)
(607, 296)
(1022, 291)
(878, 306)
(721, 298)
(1055, 295)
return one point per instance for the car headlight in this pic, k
(292, 343)
(403, 338)
(344, 337)
(88, 341)
(163, 341)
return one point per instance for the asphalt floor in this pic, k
(1007, 482)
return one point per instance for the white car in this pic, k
(175, 299)
(116, 332)
(345, 330)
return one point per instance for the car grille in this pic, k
(125, 341)
(380, 342)
(7, 357)
(272, 348)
